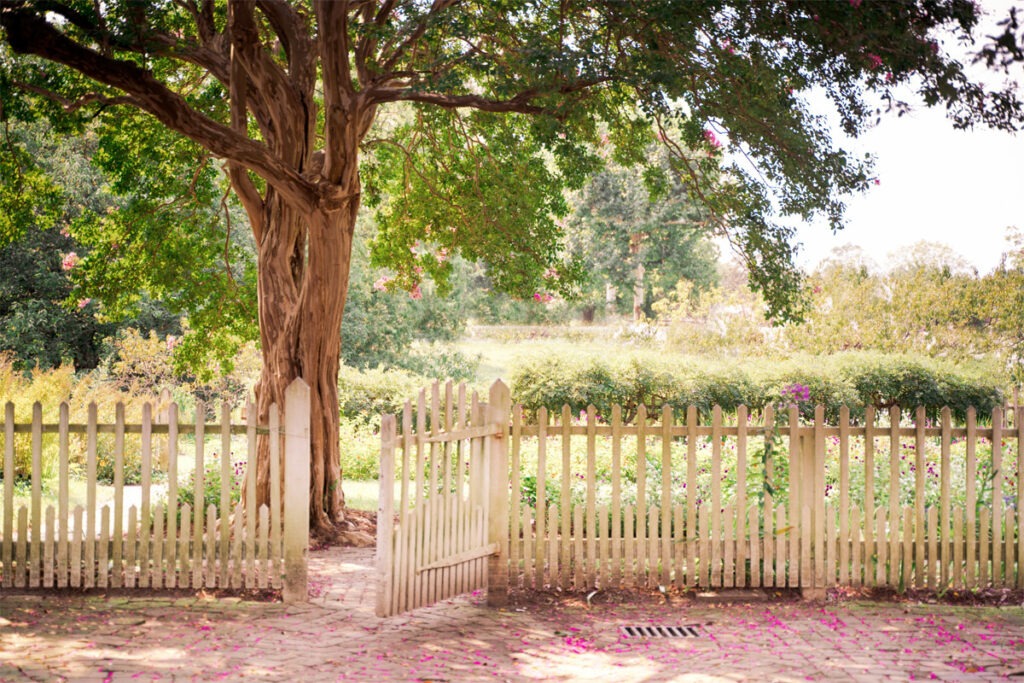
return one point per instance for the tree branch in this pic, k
(341, 102)
(30, 33)
(71, 106)
(520, 103)
(388, 63)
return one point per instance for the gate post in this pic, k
(498, 496)
(296, 491)
(386, 515)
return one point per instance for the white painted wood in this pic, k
(296, 494)
(7, 547)
(386, 518)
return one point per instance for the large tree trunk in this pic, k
(302, 285)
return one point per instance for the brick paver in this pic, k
(336, 637)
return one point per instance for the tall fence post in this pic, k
(386, 515)
(498, 496)
(296, 491)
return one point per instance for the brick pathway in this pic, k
(336, 637)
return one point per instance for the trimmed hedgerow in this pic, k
(854, 380)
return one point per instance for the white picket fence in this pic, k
(155, 544)
(577, 502)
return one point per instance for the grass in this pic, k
(361, 495)
(499, 357)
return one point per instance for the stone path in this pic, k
(336, 637)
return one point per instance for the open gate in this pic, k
(448, 533)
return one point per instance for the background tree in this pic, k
(45, 316)
(286, 93)
(635, 233)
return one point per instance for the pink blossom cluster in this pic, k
(543, 297)
(70, 260)
(712, 139)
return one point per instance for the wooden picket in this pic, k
(448, 532)
(150, 542)
(795, 534)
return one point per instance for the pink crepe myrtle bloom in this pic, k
(855, 3)
(712, 139)
(442, 254)
(874, 60)
(82, 303)
(382, 283)
(415, 293)
(70, 260)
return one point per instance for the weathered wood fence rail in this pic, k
(896, 501)
(811, 520)
(150, 541)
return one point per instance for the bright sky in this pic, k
(960, 188)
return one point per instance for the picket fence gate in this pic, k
(717, 531)
(154, 544)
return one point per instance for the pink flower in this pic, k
(855, 3)
(382, 283)
(82, 303)
(536, 296)
(874, 60)
(889, 78)
(712, 139)
(877, 181)
(70, 261)
(442, 254)
(415, 293)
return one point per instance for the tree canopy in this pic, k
(478, 116)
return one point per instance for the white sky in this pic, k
(959, 188)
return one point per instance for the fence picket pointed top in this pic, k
(297, 386)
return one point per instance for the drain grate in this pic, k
(660, 631)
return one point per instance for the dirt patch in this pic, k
(251, 595)
(648, 596)
(984, 597)
(981, 597)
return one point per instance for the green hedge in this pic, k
(854, 380)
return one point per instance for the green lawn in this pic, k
(498, 357)
(361, 495)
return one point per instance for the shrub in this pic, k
(211, 485)
(360, 448)
(852, 380)
(366, 394)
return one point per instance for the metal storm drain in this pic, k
(660, 631)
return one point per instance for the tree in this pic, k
(634, 235)
(45, 318)
(503, 101)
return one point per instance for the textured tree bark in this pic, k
(302, 285)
